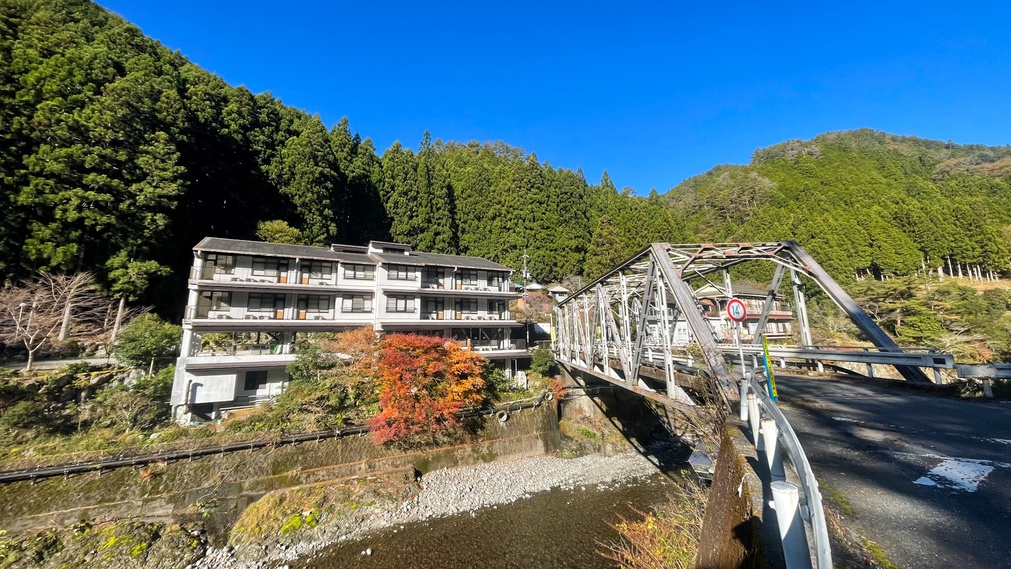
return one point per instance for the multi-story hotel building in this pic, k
(249, 302)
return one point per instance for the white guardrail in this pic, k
(798, 510)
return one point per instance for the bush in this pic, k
(668, 537)
(24, 415)
(147, 338)
(423, 383)
(543, 362)
(126, 410)
(158, 386)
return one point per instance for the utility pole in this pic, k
(526, 275)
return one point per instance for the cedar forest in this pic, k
(118, 155)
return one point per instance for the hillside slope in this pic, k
(862, 202)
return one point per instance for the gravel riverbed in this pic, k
(453, 491)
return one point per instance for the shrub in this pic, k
(543, 362)
(127, 410)
(158, 386)
(423, 383)
(24, 416)
(667, 537)
(147, 338)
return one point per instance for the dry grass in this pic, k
(666, 538)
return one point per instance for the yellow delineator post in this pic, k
(773, 392)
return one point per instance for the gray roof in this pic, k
(439, 260)
(263, 249)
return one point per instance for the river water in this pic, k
(554, 529)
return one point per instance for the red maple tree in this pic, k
(423, 383)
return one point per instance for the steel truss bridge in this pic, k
(643, 327)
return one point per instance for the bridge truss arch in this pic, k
(628, 326)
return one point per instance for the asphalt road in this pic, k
(928, 478)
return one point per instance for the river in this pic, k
(554, 529)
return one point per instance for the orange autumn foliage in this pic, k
(423, 383)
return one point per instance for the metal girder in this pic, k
(770, 299)
(700, 329)
(615, 324)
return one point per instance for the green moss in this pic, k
(837, 497)
(879, 555)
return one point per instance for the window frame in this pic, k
(260, 296)
(408, 305)
(348, 303)
(255, 374)
(228, 268)
(351, 271)
(399, 272)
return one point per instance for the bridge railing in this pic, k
(798, 513)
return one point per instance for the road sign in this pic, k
(736, 310)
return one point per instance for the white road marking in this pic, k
(956, 474)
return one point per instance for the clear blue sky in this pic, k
(652, 93)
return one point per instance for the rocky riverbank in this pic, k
(391, 502)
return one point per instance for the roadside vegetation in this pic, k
(667, 537)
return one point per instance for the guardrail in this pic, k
(797, 513)
(908, 357)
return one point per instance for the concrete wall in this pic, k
(734, 533)
(237, 479)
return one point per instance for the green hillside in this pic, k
(118, 155)
(862, 202)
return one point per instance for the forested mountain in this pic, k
(863, 202)
(118, 155)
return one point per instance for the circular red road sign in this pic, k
(736, 310)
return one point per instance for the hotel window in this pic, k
(468, 278)
(260, 302)
(356, 303)
(263, 267)
(319, 269)
(496, 308)
(466, 307)
(495, 280)
(219, 300)
(223, 264)
(435, 308)
(314, 303)
(398, 303)
(255, 380)
(402, 272)
(434, 277)
(360, 272)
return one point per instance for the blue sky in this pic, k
(652, 92)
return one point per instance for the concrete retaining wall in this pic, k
(180, 491)
(734, 534)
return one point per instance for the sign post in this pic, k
(737, 311)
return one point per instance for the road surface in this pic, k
(928, 478)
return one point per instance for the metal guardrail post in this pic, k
(744, 399)
(753, 417)
(791, 529)
(770, 434)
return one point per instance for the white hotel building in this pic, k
(250, 301)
